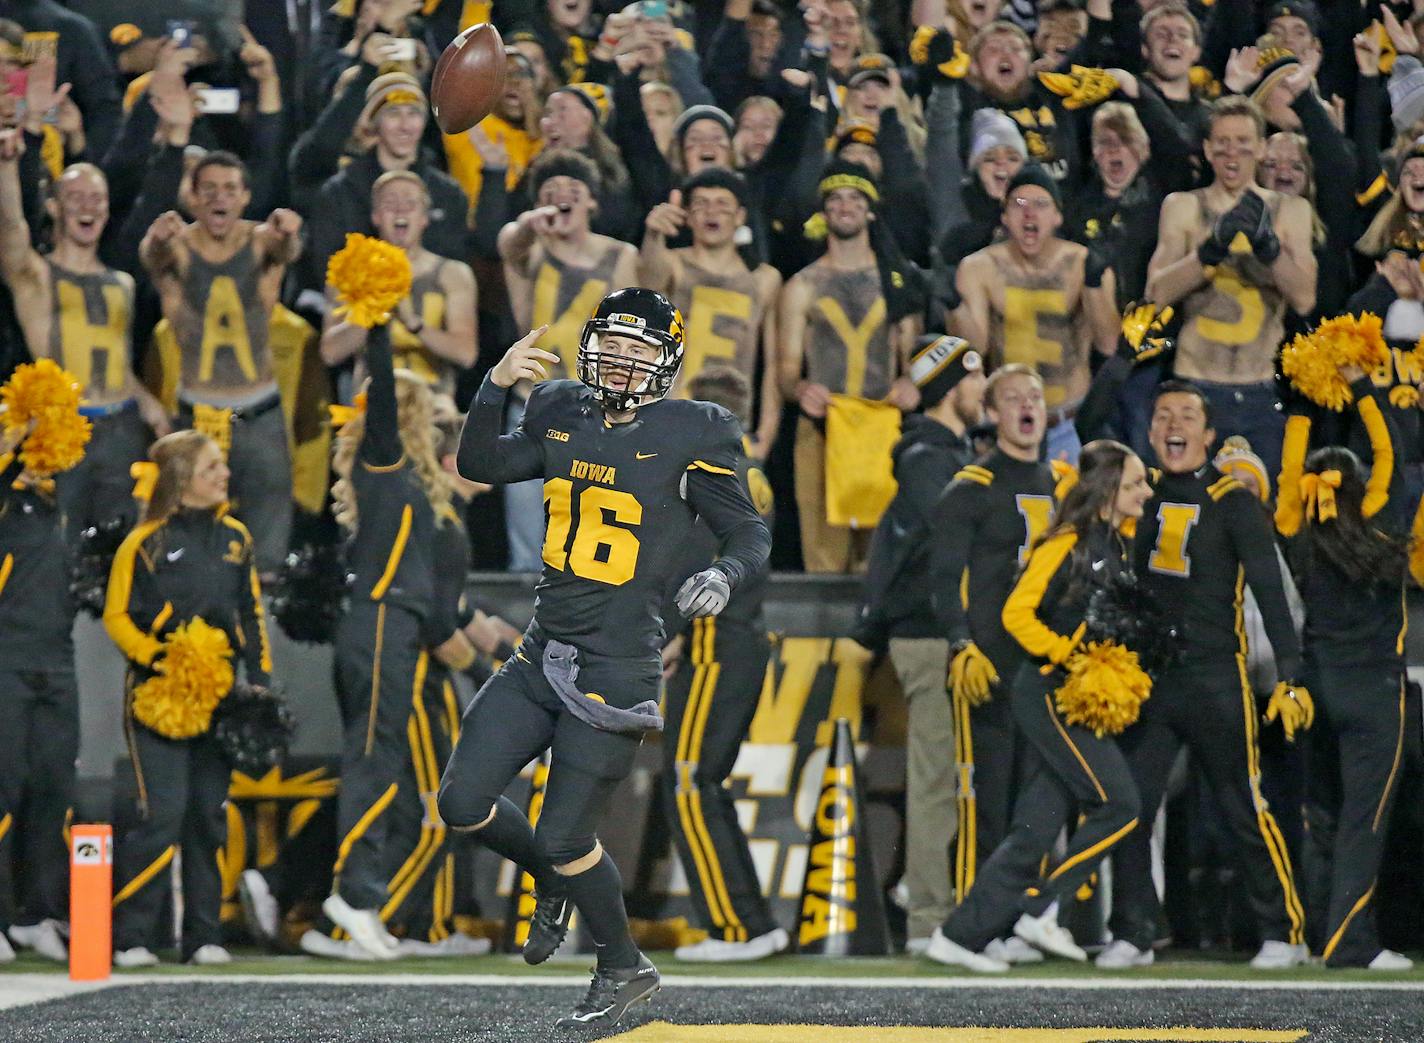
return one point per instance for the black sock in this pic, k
(510, 834)
(598, 894)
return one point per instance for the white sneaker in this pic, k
(7, 954)
(1013, 950)
(259, 908)
(916, 946)
(942, 950)
(458, 944)
(1279, 956)
(364, 926)
(1122, 954)
(135, 957)
(43, 938)
(1043, 932)
(315, 943)
(210, 956)
(1389, 960)
(714, 950)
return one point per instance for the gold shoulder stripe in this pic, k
(703, 465)
(1223, 486)
(973, 473)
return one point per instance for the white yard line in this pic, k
(19, 990)
(689, 982)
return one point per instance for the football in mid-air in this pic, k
(468, 79)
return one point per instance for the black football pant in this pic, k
(381, 667)
(421, 888)
(99, 488)
(39, 718)
(182, 786)
(710, 702)
(517, 716)
(992, 766)
(1210, 707)
(1077, 772)
(1355, 751)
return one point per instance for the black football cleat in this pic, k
(549, 924)
(611, 993)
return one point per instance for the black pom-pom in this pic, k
(1124, 610)
(89, 579)
(308, 599)
(253, 728)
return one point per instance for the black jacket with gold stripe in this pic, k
(1202, 539)
(391, 556)
(193, 563)
(36, 611)
(1349, 622)
(1045, 611)
(985, 524)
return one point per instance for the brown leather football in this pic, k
(469, 79)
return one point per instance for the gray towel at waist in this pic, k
(561, 670)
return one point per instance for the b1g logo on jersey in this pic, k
(557, 436)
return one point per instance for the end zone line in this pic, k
(690, 982)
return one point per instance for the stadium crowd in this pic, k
(926, 252)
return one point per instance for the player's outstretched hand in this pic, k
(523, 361)
(704, 594)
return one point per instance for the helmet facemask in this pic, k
(648, 380)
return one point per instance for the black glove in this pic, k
(1099, 261)
(1260, 234)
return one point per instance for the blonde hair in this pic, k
(176, 455)
(1122, 120)
(1003, 373)
(415, 409)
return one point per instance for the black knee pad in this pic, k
(460, 810)
(562, 850)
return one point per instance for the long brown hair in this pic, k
(1363, 552)
(176, 455)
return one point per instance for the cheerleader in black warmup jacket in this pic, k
(1350, 559)
(186, 565)
(1081, 769)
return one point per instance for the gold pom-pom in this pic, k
(44, 394)
(194, 675)
(1312, 361)
(1105, 690)
(370, 278)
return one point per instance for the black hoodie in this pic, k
(897, 583)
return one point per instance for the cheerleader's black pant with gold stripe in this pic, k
(182, 784)
(710, 702)
(1077, 772)
(421, 888)
(1210, 707)
(1355, 755)
(381, 667)
(39, 717)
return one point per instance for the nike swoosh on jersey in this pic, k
(644, 456)
(174, 555)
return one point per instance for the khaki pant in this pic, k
(824, 547)
(922, 664)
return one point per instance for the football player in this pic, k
(626, 472)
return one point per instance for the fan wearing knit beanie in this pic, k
(1027, 299)
(842, 334)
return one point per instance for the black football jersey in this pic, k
(620, 505)
(1202, 538)
(986, 522)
